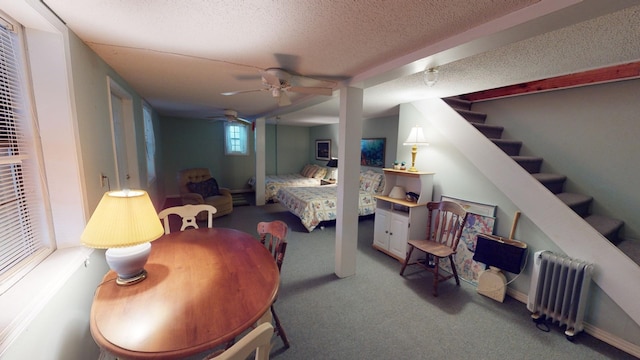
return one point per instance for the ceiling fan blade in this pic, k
(311, 90)
(283, 99)
(240, 92)
(270, 78)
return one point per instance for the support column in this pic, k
(349, 136)
(260, 148)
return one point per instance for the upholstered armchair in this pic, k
(197, 186)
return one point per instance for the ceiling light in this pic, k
(430, 76)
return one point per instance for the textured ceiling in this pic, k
(180, 55)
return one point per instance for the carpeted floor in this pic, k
(377, 314)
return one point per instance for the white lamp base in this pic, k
(128, 262)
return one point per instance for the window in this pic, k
(235, 139)
(23, 243)
(150, 143)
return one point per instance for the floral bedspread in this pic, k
(273, 183)
(316, 204)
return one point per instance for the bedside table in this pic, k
(327, 182)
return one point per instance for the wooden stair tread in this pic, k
(606, 226)
(458, 103)
(520, 158)
(504, 141)
(553, 182)
(549, 177)
(472, 116)
(573, 198)
(631, 248)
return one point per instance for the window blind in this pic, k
(21, 203)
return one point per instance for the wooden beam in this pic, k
(590, 77)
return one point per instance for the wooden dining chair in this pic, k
(273, 236)
(258, 339)
(445, 222)
(188, 214)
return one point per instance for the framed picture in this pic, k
(372, 152)
(473, 207)
(323, 150)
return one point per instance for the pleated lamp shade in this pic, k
(122, 218)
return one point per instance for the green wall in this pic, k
(189, 143)
(590, 134)
(579, 134)
(385, 127)
(288, 147)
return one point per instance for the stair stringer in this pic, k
(540, 206)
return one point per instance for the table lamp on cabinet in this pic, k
(415, 139)
(125, 222)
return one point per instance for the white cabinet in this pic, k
(390, 232)
(399, 220)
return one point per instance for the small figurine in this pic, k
(403, 166)
(396, 166)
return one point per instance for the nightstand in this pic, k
(327, 181)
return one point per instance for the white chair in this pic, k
(258, 339)
(188, 214)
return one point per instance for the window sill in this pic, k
(24, 300)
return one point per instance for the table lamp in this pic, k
(333, 163)
(415, 139)
(124, 223)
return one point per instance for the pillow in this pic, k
(320, 173)
(305, 170)
(371, 181)
(205, 188)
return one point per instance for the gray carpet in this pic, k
(377, 314)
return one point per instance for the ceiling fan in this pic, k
(280, 83)
(231, 116)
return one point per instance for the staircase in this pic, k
(579, 203)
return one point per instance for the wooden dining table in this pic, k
(204, 288)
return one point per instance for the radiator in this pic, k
(558, 292)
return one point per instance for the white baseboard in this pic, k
(597, 333)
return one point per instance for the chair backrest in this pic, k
(258, 339)
(445, 222)
(188, 214)
(194, 175)
(274, 236)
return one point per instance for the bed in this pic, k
(314, 205)
(310, 175)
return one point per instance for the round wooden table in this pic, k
(204, 287)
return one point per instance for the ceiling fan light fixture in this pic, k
(430, 76)
(275, 92)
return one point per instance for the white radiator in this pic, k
(558, 291)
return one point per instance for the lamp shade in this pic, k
(416, 137)
(333, 163)
(122, 218)
(398, 192)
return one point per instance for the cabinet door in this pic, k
(399, 230)
(381, 229)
